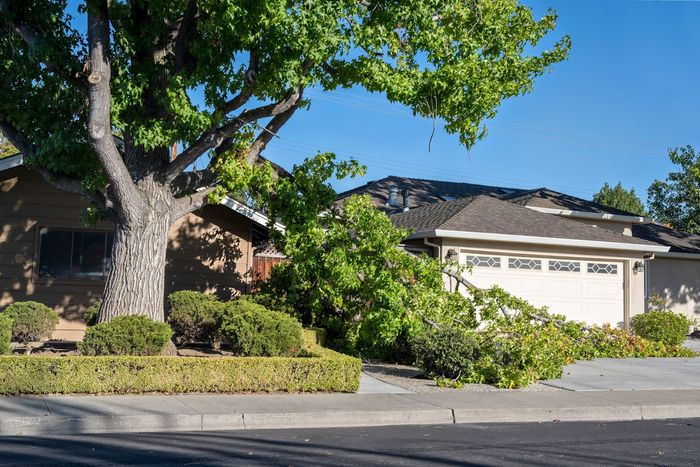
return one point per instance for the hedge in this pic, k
(323, 370)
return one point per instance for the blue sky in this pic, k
(627, 93)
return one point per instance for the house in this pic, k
(581, 259)
(674, 275)
(48, 255)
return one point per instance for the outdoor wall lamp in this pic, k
(638, 267)
(452, 255)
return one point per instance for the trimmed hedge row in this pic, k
(324, 370)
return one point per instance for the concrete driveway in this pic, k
(632, 374)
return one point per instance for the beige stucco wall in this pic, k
(634, 283)
(678, 280)
(209, 250)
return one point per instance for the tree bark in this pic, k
(136, 281)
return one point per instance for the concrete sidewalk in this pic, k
(198, 412)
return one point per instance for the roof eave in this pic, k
(678, 255)
(552, 241)
(252, 214)
(591, 215)
(7, 163)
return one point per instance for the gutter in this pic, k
(540, 240)
(676, 255)
(592, 215)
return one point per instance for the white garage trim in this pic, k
(540, 240)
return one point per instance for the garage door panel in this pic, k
(564, 287)
(603, 289)
(533, 286)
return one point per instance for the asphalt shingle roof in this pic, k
(679, 241)
(422, 191)
(486, 214)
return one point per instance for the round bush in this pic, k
(662, 326)
(91, 313)
(126, 335)
(447, 352)
(253, 330)
(195, 317)
(5, 335)
(31, 321)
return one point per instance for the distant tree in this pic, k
(620, 198)
(676, 200)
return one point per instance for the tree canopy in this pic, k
(453, 60)
(676, 200)
(100, 113)
(620, 198)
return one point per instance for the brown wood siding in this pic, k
(209, 250)
(262, 266)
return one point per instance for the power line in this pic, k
(596, 140)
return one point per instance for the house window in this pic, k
(484, 261)
(602, 268)
(564, 266)
(74, 253)
(525, 263)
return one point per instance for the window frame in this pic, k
(601, 272)
(498, 261)
(578, 266)
(538, 261)
(70, 279)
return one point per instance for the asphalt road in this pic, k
(620, 443)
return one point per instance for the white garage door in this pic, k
(582, 290)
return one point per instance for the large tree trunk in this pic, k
(136, 281)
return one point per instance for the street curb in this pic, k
(135, 423)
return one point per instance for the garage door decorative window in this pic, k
(602, 268)
(564, 266)
(524, 263)
(484, 261)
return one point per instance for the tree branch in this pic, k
(250, 80)
(185, 30)
(268, 133)
(71, 185)
(128, 202)
(216, 136)
(191, 203)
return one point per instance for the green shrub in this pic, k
(662, 326)
(514, 353)
(91, 313)
(447, 352)
(126, 335)
(324, 370)
(253, 330)
(31, 321)
(195, 317)
(5, 334)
